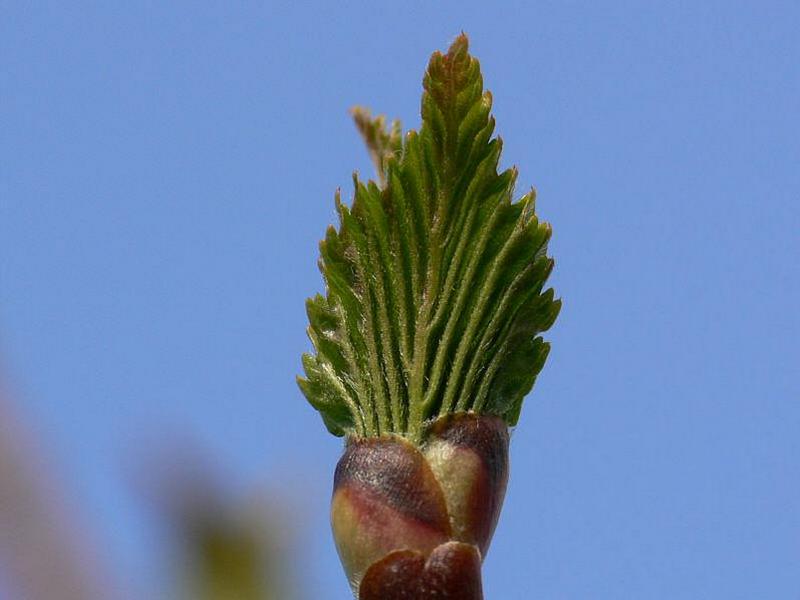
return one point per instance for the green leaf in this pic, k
(435, 277)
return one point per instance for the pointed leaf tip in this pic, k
(459, 45)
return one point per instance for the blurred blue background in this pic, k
(167, 169)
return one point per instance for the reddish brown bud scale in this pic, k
(385, 498)
(469, 455)
(417, 521)
(451, 572)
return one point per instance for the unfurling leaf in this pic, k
(435, 277)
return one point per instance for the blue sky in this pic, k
(167, 169)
